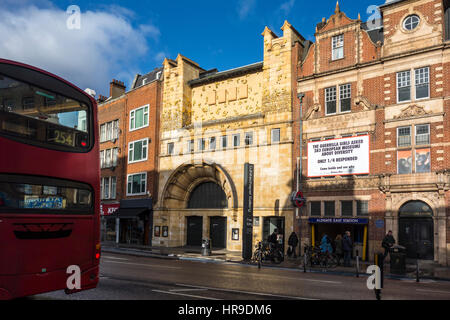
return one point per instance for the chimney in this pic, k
(101, 99)
(116, 88)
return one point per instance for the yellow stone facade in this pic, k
(199, 104)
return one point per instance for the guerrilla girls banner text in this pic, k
(339, 157)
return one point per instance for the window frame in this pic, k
(236, 142)
(224, 142)
(212, 143)
(416, 135)
(146, 115)
(171, 148)
(398, 80)
(133, 143)
(410, 17)
(272, 135)
(410, 137)
(311, 209)
(248, 140)
(142, 179)
(327, 97)
(349, 92)
(337, 47)
(427, 83)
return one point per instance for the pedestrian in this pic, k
(388, 243)
(326, 245)
(347, 247)
(293, 243)
(338, 248)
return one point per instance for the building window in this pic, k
(347, 208)
(330, 100)
(404, 137)
(137, 184)
(249, 138)
(338, 47)
(411, 22)
(362, 208)
(139, 118)
(345, 97)
(108, 188)
(137, 151)
(422, 83)
(190, 146)
(422, 135)
(109, 131)
(404, 86)
(417, 159)
(276, 135)
(108, 158)
(330, 208)
(224, 142)
(236, 140)
(212, 143)
(170, 148)
(315, 209)
(201, 144)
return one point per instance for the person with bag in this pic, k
(388, 243)
(293, 243)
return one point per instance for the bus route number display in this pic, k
(339, 157)
(61, 137)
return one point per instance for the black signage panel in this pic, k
(247, 234)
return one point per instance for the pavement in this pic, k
(427, 269)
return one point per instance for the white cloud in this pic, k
(245, 7)
(287, 6)
(106, 46)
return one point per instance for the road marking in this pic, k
(187, 290)
(433, 291)
(145, 265)
(247, 292)
(114, 258)
(185, 295)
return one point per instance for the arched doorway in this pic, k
(416, 230)
(209, 195)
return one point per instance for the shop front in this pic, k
(108, 221)
(332, 227)
(134, 221)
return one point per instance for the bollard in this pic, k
(357, 263)
(305, 260)
(417, 268)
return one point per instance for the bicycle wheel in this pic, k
(332, 261)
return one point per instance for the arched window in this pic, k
(415, 209)
(208, 195)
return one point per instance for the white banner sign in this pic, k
(339, 157)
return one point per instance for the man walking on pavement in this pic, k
(347, 247)
(388, 243)
(293, 243)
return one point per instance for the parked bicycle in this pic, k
(314, 257)
(264, 251)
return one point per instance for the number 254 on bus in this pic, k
(49, 183)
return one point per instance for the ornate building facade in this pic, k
(212, 123)
(384, 84)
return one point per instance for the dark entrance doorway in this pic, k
(218, 232)
(272, 223)
(416, 230)
(194, 231)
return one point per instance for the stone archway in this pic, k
(190, 175)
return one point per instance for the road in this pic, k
(124, 277)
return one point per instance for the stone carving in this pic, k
(315, 108)
(363, 101)
(412, 111)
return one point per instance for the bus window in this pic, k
(39, 116)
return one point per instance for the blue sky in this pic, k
(128, 37)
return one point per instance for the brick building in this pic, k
(129, 145)
(375, 122)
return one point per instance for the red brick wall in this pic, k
(106, 113)
(147, 95)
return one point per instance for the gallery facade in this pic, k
(212, 123)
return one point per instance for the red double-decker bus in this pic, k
(49, 183)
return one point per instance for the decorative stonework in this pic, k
(364, 102)
(412, 111)
(314, 109)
